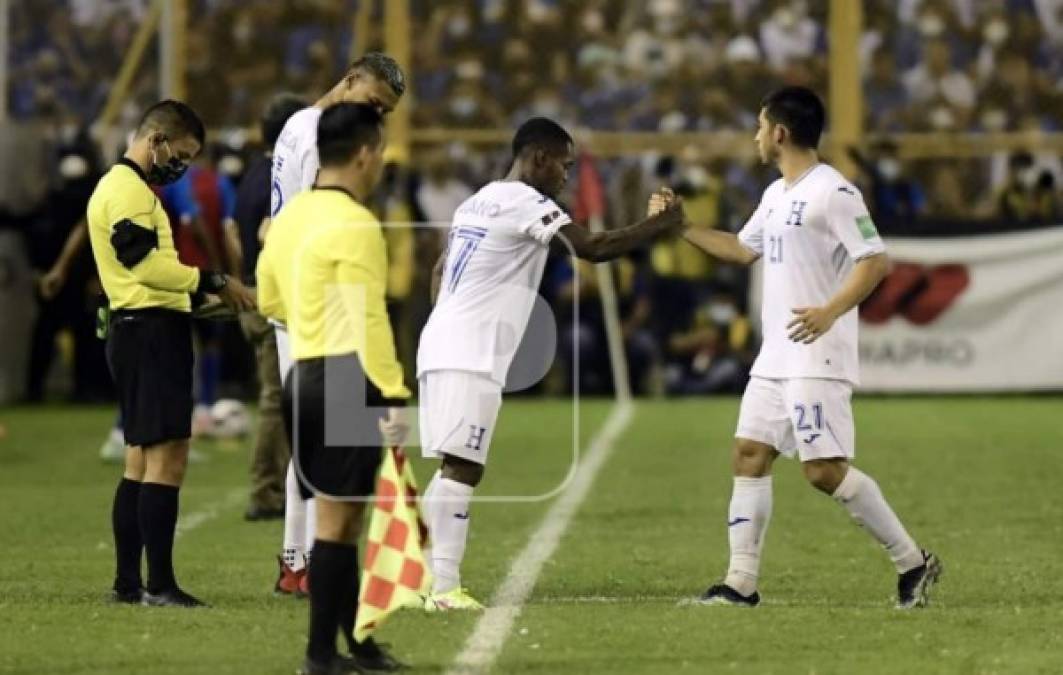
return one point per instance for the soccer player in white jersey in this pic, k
(484, 287)
(821, 256)
(375, 79)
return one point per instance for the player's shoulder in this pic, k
(299, 127)
(831, 183)
(122, 188)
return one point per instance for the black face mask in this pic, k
(164, 174)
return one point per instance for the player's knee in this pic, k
(752, 459)
(338, 521)
(462, 470)
(166, 463)
(825, 474)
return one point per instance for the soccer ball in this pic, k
(229, 419)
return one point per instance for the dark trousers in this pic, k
(271, 454)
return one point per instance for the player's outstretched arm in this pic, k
(602, 246)
(721, 245)
(809, 323)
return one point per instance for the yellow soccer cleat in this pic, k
(455, 599)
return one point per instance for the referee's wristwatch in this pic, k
(211, 282)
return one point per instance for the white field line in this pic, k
(212, 510)
(491, 631)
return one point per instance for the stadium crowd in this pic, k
(661, 65)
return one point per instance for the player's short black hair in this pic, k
(280, 108)
(384, 68)
(174, 119)
(799, 110)
(344, 129)
(540, 132)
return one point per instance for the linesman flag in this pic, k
(396, 574)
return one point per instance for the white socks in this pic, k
(860, 495)
(747, 522)
(448, 524)
(300, 518)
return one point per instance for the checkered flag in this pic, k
(396, 574)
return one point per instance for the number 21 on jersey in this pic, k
(774, 249)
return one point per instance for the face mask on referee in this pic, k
(164, 173)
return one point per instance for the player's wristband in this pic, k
(211, 282)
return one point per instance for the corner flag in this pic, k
(396, 573)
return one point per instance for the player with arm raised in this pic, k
(484, 287)
(822, 256)
(377, 80)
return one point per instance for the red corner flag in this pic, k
(396, 574)
(590, 193)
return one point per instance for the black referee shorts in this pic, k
(332, 413)
(149, 352)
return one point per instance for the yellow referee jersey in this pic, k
(323, 271)
(133, 244)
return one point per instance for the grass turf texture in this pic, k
(974, 479)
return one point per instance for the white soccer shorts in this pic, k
(811, 418)
(458, 411)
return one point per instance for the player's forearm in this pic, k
(723, 246)
(605, 246)
(865, 276)
(164, 274)
(72, 247)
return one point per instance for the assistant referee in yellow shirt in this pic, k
(323, 272)
(149, 343)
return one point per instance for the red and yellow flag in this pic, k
(396, 573)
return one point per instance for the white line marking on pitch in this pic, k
(209, 512)
(487, 639)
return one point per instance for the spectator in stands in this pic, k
(894, 196)
(936, 84)
(885, 98)
(789, 34)
(1030, 195)
(713, 355)
(67, 269)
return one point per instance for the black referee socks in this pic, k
(349, 608)
(333, 568)
(127, 541)
(158, 520)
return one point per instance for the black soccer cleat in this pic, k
(172, 597)
(127, 596)
(722, 594)
(913, 587)
(339, 665)
(371, 657)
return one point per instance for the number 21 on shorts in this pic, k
(810, 428)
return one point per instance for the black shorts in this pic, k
(149, 352)
(332, 413)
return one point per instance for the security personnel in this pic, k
(323, 272)
(149, 343)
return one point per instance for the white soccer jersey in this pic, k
(498, 245)
(295, 161)
(808, 235)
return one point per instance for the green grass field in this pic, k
(974, 479)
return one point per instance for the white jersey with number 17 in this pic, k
(498, 245)
(295, 161)
(808, 235)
